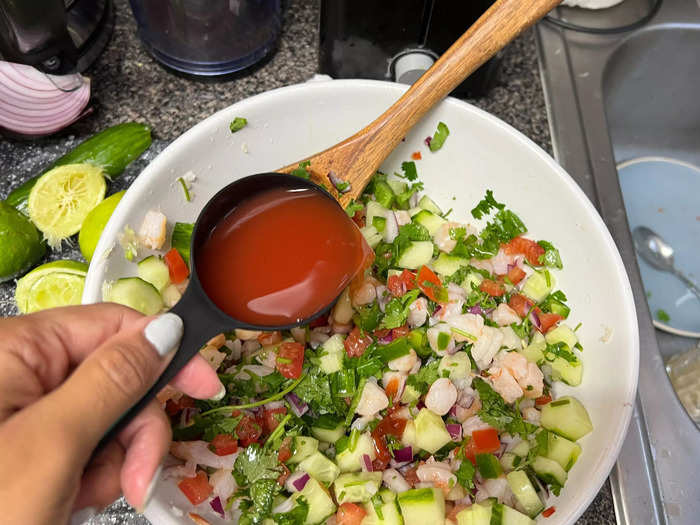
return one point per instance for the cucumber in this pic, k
(410, 395)
(431, 434)
(319, 501)
(429, 204)
(416, 255)
(562, 451)
(562, 334)
(525, 493)
(389, 511)
(111, 149)
(397, 186)
(408, 438)
(570, 372)
(181, 239)
(428, 219)
(371, 235)
(504, 515)
(538, 285)
(448, 264)
(415, 211)
(488, 466)
(534, 352)
(358, 487)
(521, 449)
(457, 365)
(383, 193)
(153, 270)
(567, 417)
(477, 514)
(327, 428)
(510, 461)
(320, 467)
(422, 506)
(374, 209)
(349, 459)
(303, 447)
(332, 353)
(472, 280)
(549, 471)
(135, 293)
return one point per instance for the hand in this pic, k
(66, 376)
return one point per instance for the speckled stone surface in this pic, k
(129, 85)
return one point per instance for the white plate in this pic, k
(481, 153)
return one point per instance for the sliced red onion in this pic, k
(535, 320)
(476, 310)
(455, 431)
(391, 227)
(338, 183)
(388, 338)
(298, 406)
(300, 483)
(367, 463)
(217, 506)
(403, 454)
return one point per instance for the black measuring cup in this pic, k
(201, 317)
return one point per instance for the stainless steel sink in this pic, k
(611, 98)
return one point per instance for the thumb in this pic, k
(114, 377)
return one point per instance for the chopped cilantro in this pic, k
(368, 317)
(316, 391)
(353, 207)
(396, 311)
(439, 137)
(425, 377)
(409, 170)
(259, 506)
(465, 474)
(485, 206)
(255, 463)
(495, 412)
(560, 350)
(238, 124)
(551, 256)
(296, 516)
(662, 316)
(302, 172)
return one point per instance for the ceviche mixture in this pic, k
(424, 395)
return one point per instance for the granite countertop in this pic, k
(127, 84)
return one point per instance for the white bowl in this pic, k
(481, 153)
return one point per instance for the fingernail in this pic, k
(149, 490)
(81, 516)
(164, 333)
(220, 395)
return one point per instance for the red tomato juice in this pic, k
(280, 256)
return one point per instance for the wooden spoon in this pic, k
(357, 158)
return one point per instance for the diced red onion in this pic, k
(367, 463)
(535, 320)
(388, 338)
(300, 483)
(428, 140)
(476, 310)
(403, 454)
(337, 181)
(217, 506)
(455, 431)
(298, 406)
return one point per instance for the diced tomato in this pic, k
(416, 155)
(177, 268)
(398, 285)
(360, 218)
(224, 444)
(356, 343)
(350, 514)
(270, 338)
(516, 274)
(520, 304)
(430, 285)
(197, 519)
(527, 247)
(401, 331)
(290, 360)
(388, 426)
(248, 431)
(383, 454)
(493, 288)
(548, 512)
(319, 321)
(272, 418)
(285, 474)
(172, 407)
(285, 451)
(197, 489)
(547, 320)
(486, 440)
(381, 333)
(543, 400)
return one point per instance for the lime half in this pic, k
(58, 283)
(95, 222)
(62, 198)
(20, 243)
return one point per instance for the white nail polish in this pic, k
(164, 333)
(81, 516)
(150, 489)
(220, 394)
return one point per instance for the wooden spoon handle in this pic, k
(358, 157)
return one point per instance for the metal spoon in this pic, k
(657, 252)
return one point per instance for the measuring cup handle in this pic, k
(201, 324)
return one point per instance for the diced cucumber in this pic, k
(319, 501)
(504, 515)
(509, 461)
(371, 235)
(457, 365)
(431, 434)
(538, 285)
(521, 449)
(383, 193)
(571, 372)
(488, 466)
(181, 239)
(429, 204)
(320, 467)
(422, 506)
(350, 458)
(410, 395)
(567, 417)
(448, 264)
(562, 334)
(431, 221)
(171, 295)
(390, 514)
(356, 487)
(416, 255)
(374, 209)
(534, 352)
(525, 493)
(303, 447)
(397, 186)
(135, 293)
(153, 270)
(477, 514)
(562, 451)
(328, 428)
(415, 211)
(332, 353)
(408, 438)
(549, 471)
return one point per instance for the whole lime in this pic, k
(94, 223)
(21, 244)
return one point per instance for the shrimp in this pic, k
(223, 483)
(441, 396)
(342, 311)
(372, 400)
(404, 363)
(152, 231)
(467, 327)
(212, 356)
(510, 339)
(464, 413)
(486, 346)
(450, 310)
(528, 375)
(395, 481)
(505, 384)
(532, 415)
(394, 383)
(444, 235)
(365, 293)
(247, 335)
(417, 312)
(504, 315)
(438, 473)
